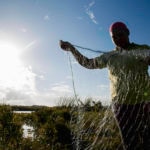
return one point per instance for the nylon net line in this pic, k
(118, 126)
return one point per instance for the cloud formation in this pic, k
(90, 13)
(28, 93)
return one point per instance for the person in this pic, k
(130, 84)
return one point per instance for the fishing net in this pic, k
(118, 126)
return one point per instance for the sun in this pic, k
(9, 53)
(13, 74)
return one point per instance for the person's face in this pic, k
(120, 38)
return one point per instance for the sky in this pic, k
(33, 68)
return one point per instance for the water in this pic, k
(22, 111)
(28, 131)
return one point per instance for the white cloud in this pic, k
(61, 88)
(28, 95)
(92, 17)
(19, 87)
(90, 13)
(91, 4)
(16, 95)
(52, 96)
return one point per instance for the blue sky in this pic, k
(39, 73)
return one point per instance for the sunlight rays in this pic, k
(13, 74)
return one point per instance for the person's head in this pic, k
(119, 34)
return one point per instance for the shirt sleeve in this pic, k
(102, 60)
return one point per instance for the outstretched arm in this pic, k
(82, 60)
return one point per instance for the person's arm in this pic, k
(82, 60)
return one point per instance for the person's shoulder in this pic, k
(139, 46)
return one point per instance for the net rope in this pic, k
(96, 125)
(89, 49)
(100, 129)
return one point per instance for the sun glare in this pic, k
(9, 54)
(13, 74)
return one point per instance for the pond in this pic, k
(22, 111)
(28, 131)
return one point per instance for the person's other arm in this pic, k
(82, 60)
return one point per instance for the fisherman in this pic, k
(130, 84)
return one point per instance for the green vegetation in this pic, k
(90, 126)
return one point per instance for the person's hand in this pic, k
(66, 45)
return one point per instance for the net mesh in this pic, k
(123, 125)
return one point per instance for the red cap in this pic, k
(118, 25)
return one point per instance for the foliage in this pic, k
(66, 127)
(10, 131)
